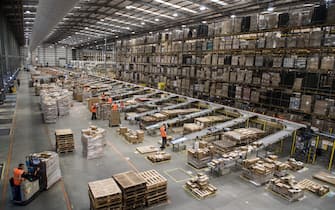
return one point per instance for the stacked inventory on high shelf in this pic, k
(282, 61)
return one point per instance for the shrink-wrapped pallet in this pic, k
(93, 141)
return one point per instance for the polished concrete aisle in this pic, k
(31, 135)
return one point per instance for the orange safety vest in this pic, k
(163, 132)
(93, 109)
(110, 100)
(17, 176)
(114, 107)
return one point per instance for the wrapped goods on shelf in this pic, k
(246, 93)
(306, 103)
(277, 62)
(227, 26)
(240, 76)
(301, 62)
(313, 63)
(261, 22)
(253, 23)
(232, 76)
(295, 103)
(248, 77)
(318, 123)
(288, 62)
(266, 79)
(261, 42)
(272, 20)
(297, 84)
(238, 93)
(329, 40)
(259, 60)
(327, 63)
(291, 42)
(234, 60)
(315, 39)
(254, 96)
(249, 61)
(321, 107)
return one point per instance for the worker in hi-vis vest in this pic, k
(110, 100)
(115, 107)
(17, 180)
(94, 112)
(163, 135)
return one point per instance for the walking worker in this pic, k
(110, 100)
(163, 135)
(115, 107)
(17, 180)
(94, 112)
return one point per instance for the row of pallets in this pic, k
(128, 190)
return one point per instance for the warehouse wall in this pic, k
(10, 58)
(52, 55)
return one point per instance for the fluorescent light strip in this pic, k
(135, 18)
(116, 26)
(123, 22)
(150, 12)
(176, 6)
(219, 2)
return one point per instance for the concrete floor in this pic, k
(31, 135)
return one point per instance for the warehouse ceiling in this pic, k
(91, 21)
(20, 15)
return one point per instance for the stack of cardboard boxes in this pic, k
(200, 186)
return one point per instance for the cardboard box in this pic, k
(321, 107)
(306, 103)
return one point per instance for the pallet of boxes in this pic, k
(104, 194)
(257, 171)
(200, 187)
(287, 188)
(93, 140)
(64, 140)
(200, 155)
(133, 137)
(156, 187)
(158, 157)
(133, 188)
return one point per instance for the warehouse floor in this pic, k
(31, 135)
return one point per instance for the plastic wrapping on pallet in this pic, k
(93, 143)
(49, 110)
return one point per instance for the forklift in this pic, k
(35, 181)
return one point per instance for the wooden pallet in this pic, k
(156, 158)
(200, 194)
(147, 149)
(153, 179)
(325, 177)
(133, 189)
(313, 187)
(104, 193)
(113, 207)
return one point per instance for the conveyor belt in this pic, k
(211, 130)
(174, 106)
(181, 118)
(149, 102)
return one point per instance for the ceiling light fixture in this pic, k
(233, 16)
(219, 2)
(132, 17)
(176, 6)
(270, 9)
(149, 12)
(156, 19)
(123, 22)
(143, 23)
(202, 8)
(183, 26)
(204, 22)
(175, 15)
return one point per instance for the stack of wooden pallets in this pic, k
(104, 194)
(313, 187)
(156, 187)
(64, 140)
(133, 189)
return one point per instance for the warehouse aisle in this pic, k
(30, 136)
